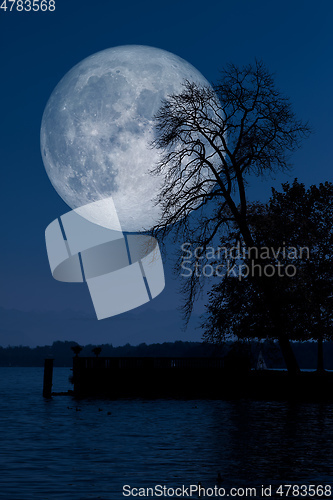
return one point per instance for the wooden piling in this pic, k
(48, 374)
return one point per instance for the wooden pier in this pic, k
(147, 377)
(189, 378)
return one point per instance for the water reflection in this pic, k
(276, 442)
(50, 450)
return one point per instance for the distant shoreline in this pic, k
(60, 351)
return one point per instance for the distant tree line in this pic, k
(306, 352)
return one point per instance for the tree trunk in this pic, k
(320, 356)
(288, 355)
(284, 343)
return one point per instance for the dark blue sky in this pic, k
(294, 39)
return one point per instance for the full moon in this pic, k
(97, 130)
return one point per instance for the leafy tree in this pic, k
(97, 351)
(211, 143)
(76, 349)
(297, 224)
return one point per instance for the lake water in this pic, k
(49, 450)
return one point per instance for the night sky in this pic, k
(294, 39)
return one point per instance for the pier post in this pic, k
(48, 374)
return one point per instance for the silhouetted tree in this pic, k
(297, 224)
(97, 351)
(211, 143)
(76, 349)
